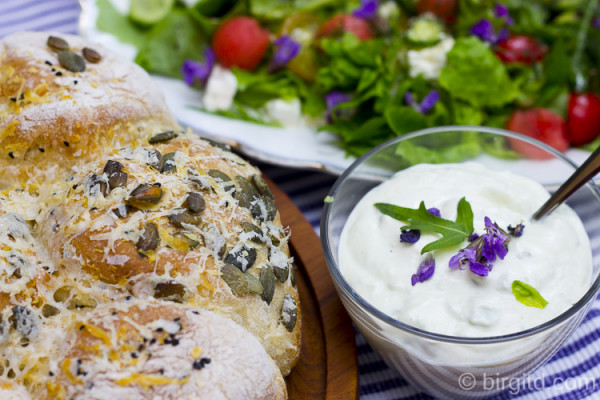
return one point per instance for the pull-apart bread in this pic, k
(137, 261)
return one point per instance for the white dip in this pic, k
(553, 255)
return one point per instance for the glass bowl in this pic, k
(451, 367)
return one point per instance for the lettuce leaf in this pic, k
(474, 74)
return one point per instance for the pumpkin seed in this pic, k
(267, 280)
(254, 284)
(289, 312)
(235, 279)
(71, 61)
(49, 311)
(293, 275)
(281, 273)
(170, 290)
(97, 184)
(192, 240)
(81, 301)
(194, 202)
(145, 196)
(216, 144)
(259, 236)
(162, 137)
(246, 194)
(279, 260)
(180, 217)
(154, 159)
(57, 44)
(149, 239)
(242, 257)
(223, 180)
(264, 209)
(271, 208)
(116, 176)
(91, 55)
(61, 294)
(169, 164)
(261, 185)
(25, 321)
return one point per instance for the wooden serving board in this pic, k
(328, 366)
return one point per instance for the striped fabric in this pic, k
(572, 374)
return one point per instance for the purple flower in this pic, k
(410, 235)
(286, 49)
(367, 9)
(434, 211)
(334, 99)
(501, 11)
(485, 31)
(426, 105)
(473, 237)
(516, 231)
(596, 22)
(198, 71)
(425, 271)
(479, 269)
(465, 256)
(494, 242)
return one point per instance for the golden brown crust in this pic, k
(52, 116)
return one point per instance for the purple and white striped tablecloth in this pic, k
(573, 374)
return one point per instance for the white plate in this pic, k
(300, 147)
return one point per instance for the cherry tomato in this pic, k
(346, 23)
(443, 9)
(540, 124)
(240, 42)
(302, 27)
(521, 49)
(583, 118)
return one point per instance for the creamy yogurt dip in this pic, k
(553, 255)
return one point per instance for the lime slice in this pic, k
(149, 12)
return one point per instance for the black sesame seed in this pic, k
(177, 319)
(75, 82)
(22, 96)
(201, 363)
(51, 373)
(152, 341)
(41, 150)
(66, 143)
(53, 70)
(161, 371)
(11, 155)
(48, 63)
(159, 329)
(13, 99)
(58, 73)
(128, 298)
(141, 346)
(114, 313)
(195, 312)
(75, 186)
(81, 327)
(134, 355)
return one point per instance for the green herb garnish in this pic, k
(453, 232)
(528, 295)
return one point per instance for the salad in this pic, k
(370, 70)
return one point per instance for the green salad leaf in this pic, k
(453, 232)
(474, 74)
(528, 295)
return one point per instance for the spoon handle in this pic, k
(589, 168)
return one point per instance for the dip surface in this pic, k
(553, 255)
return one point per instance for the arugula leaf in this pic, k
(474, 74)
(112, 21)
(453, 232)
(528, 295)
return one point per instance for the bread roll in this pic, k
(150, 350)
(106, 206)
(227, 253)
(52, 119)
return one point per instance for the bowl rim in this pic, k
(343, 285)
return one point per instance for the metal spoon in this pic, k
(587, 170)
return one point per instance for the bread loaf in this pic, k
(133, 222)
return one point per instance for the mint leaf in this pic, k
(453, 232)
(528, 295)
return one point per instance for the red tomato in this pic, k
(583, 118)
(346, 23)
(443, 9)
(540, 124)
(240, 42)
(521, 49)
